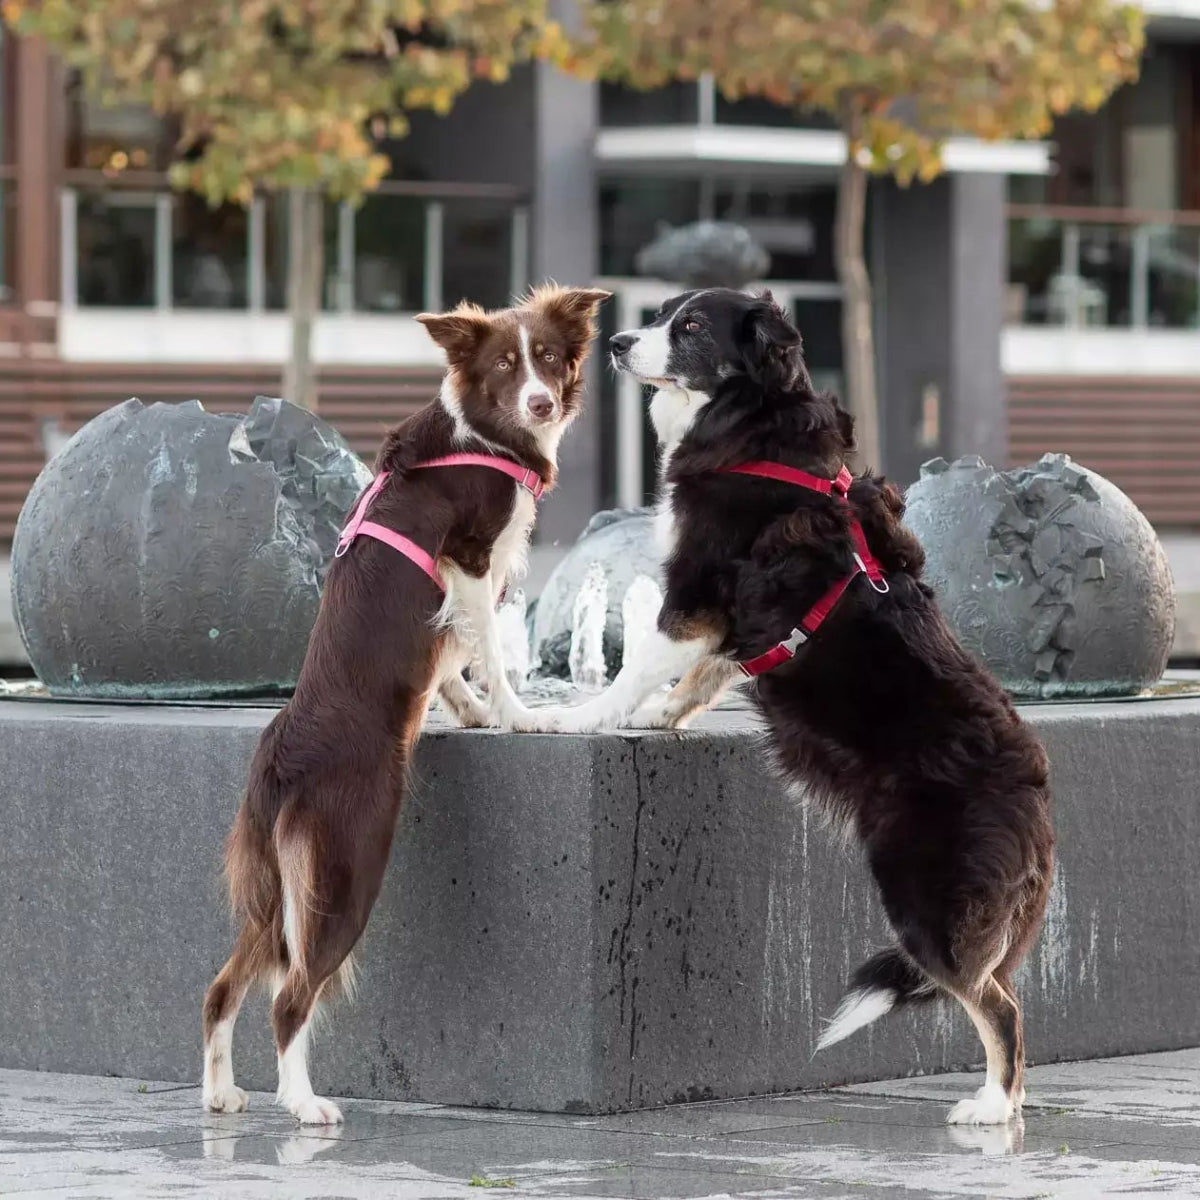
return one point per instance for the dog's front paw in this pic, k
(555, 720)
(226, 1099)
(657, 716)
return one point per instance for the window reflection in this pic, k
(275, 252)
(210, 250)
(115, 233)
(1102, 289)
(1174, 277)
(1035, 272)
(477, 252)
(389, 254)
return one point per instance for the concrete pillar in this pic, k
(939, 268)
(564, 246)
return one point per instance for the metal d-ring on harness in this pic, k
(865, 562)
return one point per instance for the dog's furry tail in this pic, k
(885, 981)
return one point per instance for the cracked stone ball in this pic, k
(1049, 574)
(167, 552)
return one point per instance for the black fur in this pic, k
(882, 717)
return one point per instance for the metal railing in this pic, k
(1103, 267)
(133, 243)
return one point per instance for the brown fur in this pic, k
(311, 840)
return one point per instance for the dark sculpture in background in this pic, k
(705, 254)
(1049, 574)
(167, 552)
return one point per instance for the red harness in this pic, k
(529, 479)
(865, 562)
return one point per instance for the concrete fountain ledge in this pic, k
(570, 923)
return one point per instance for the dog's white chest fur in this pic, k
(511, 548)
(672, 411)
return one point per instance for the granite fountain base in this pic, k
(581, 924)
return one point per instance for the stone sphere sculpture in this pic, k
(1049, 574)
(705, 254)
(171, 553)
(622, 541)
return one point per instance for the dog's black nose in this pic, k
(622, 343)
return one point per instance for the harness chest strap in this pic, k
(357, 526)
(865, 563)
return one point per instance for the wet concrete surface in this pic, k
(1127, 1127)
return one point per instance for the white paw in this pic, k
(658, 716)
(315, 1110)
(227, 1099)
(989, 1106)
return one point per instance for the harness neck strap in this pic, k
(838, 486)
(358, 526)
(527, 477)
(864, 561)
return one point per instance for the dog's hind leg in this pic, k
(996, 1015)
(221, 1004)
(322, 922)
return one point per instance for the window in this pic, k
(209, 254)
(675, 104)
(632, 211)
(476, 252)
(127, 137)
(389, 255)
(115, 248)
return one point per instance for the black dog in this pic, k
(777, 559)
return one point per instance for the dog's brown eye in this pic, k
(550, 356)
(502, 364)
(692, 326)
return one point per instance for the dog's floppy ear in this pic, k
(773, 350)
(459, 331)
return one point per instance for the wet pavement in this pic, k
(1127, 1127)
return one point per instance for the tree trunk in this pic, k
(858, 341)
(306, 269)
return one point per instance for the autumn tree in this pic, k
(898, 76)
(286, 94)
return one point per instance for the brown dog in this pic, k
(310, 842)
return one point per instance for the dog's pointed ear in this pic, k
(573, 310)
(774, 355)
(845, 423)
(459, 331)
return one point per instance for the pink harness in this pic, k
(529, 479)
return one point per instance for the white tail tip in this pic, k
(857, 1009)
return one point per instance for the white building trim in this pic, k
(1054, 350)
(738, 145)
(146, 335)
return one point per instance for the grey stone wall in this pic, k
(570, 923)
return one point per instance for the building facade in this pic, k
(1036, 297)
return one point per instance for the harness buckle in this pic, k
(882, 587)
(342, 547)
(795, 641)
